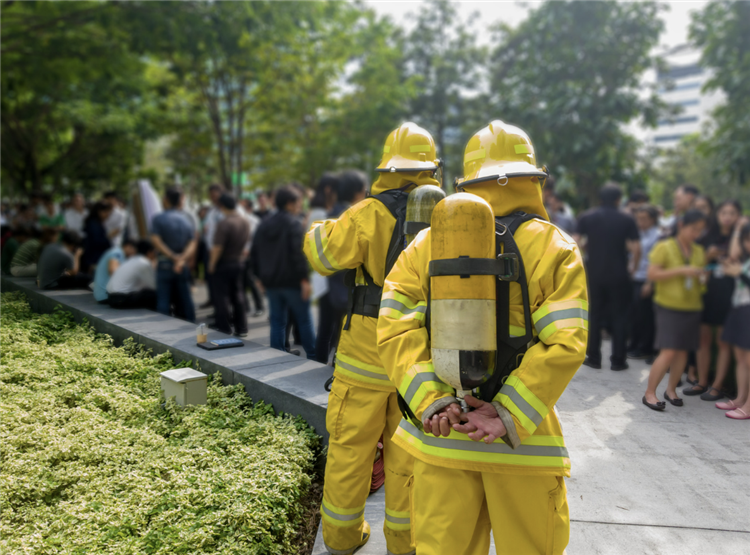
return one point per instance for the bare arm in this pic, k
(635, 255)
(735, 249)
(216, 252)
(162, 248)
(113, 265)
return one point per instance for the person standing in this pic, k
(249, 279)
(95, 242)
(173, 236)
(60, 264)
(683, 199)
(213, 217)
(677, 270)
(499, 468)
(76, 215)
(610, 235)
(642, 330)
(277, 259)
(363, 403)
(117, 221)
(226, 266)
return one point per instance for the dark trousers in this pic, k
(280, 301)
(78, 281)
(174, 289)
(329, 328)
(609, 302)
(229, 297)
(137, 299)
(250, 283)
(642, 325)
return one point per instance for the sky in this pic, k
(677, 19)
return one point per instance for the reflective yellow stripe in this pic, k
(476, 155)
(386, 149)
(403, 309)
(418, 381)
(397, 520)
(323, 260)
(517, 331)
(342, 517)
(362, 371)
(556, 316)
(522, 403)
(549, 452)
(522, 149)
(420, 148)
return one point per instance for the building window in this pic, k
(675, 121)
(678, 72)
(694, 102)
(682, 87)
(666, 138)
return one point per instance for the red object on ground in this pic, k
(378, 469)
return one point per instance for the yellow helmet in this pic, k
(409, 148)
(499, 151)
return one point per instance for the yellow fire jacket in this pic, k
(360, 237)
(559, 310)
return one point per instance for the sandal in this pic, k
(693, 382)
(708, 396)
(660, 405)
(728, 405)
(695, 389)
(677, 402)
(739, 414)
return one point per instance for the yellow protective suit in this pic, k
(534, 447)
(363, 402)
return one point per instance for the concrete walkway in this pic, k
(671, 483)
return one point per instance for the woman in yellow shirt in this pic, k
(677, 271)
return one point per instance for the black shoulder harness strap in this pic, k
(365, 299)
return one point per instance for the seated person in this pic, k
(24, 262)
(59, 264)
(133, 285)
(108, 263)
(16, 238)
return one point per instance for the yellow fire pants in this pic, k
(454, 511)
(355, 419)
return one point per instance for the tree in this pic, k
(570, 75)
(722, 30)
(443, 57)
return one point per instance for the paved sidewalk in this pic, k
(672, 483)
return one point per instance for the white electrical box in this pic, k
(187, 386)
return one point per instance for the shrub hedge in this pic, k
(93, 463)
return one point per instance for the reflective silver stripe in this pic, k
(522, 404)
(401, 307)
(396, 520)
(417, 381)
(361, 371)
(319, 246)
(499, 448)
(333, 551)
(337, 516)
(547, 319)
(389, 552)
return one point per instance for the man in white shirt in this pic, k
(213, 217)
(115, 224)
(75, 216)
(133, 285)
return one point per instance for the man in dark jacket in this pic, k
(277, 259)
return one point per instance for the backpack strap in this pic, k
(510, 350)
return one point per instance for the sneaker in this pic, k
(595, 365)
(242, 335)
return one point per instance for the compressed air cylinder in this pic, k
(419, 208)
(463, 320)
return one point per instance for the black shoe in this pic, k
(623, 366)
(708, 396)
(689, 391)
(676, 402)
(660, 405)
(637, 355)
(295, 352)
(595, 365)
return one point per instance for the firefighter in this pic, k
(363, 405)
(501, 466)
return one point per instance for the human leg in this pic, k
(636, 320)
(182, 280)
(326, 325)
(675, 372)
(529, 514)
(78, 281)
(164, 275)
(303, 319)
(723, 359)
(449, 511)
(278, 311)
(596, 307)
(238, 298)
(355, 419)
(658, 370)
(619, 310)
(399, 467)
(703, 356)
(29, 270)
(220, 296)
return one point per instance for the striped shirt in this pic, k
(28, 253)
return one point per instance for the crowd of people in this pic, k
(674, 291)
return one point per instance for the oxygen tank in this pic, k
(419, 208)
(463, 320)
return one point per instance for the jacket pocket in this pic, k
(558, 519)
(335, 410)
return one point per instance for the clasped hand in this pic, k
(481, 424)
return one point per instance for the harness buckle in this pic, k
(510, 267)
